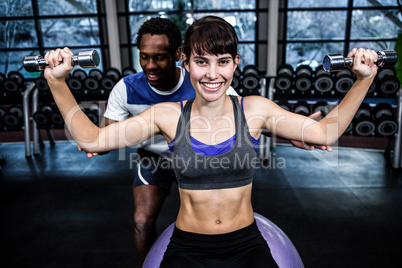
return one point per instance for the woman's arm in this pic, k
(89, 136)
(297, 127)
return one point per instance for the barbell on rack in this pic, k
(85, 59)
(333, 63)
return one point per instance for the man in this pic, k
(159, 41)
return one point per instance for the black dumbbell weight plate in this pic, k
(74, 84)
(41, 84)
(127, 71)
(364, 126)
(80, 74)
(11, 86)
(91, 84)
(96, 73)
(108, 83)
(386, 126)
(114, 73)
(41, 118)
(16, 76)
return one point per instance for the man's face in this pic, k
(157, 61)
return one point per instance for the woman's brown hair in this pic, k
(212, 35)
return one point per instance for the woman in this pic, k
(212, 139)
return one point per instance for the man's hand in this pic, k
(89, 155)
(309, 147)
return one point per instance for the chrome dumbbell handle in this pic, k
(333, 63)
(85, 59)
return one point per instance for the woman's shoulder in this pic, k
(256, 105)
(166, 106)
(255, 101)
(169, 109)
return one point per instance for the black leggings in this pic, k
(242, 248)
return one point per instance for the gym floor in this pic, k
(61, 209)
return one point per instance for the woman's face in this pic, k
(211, 75)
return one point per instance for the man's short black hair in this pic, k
(160, 26)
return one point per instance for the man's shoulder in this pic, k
(134, 79)
(136, 82)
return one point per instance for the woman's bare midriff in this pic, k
(215, 211)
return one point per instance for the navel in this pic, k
(218, 222)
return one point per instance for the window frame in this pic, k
(125, 14)
(347, 40)
(100, 16)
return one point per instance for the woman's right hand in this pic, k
(364, 63)
(59, 62)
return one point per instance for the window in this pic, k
(316, 28)
(36, 26)
(241, 14)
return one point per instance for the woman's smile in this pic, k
(212, 87)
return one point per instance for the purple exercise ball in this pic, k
(282, 249)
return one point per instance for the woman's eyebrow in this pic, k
(219, 58)
(200, 58)
(225, 58)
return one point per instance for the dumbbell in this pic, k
(2, 113)
(363, 123)
(386, 123)
(127, 71)
(42, 116)
(387, 82)
(334, 63)
(250, 82)
(302, 107)
(284, 104)
(303, 80)
(96, 73)
(323, 81)
(94, 113)
(386, 72)
(41, 84)
(323, 107)
(113, 73)
(56, 119)
(74, 84)
(80, 74)
(87, 82)
(284, 79)
(85, 59)
(388, 86)
(12, 119)
(14, 82)
(344, 81)
(110, 78)
(349, 129)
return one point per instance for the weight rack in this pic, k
(397, 157)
